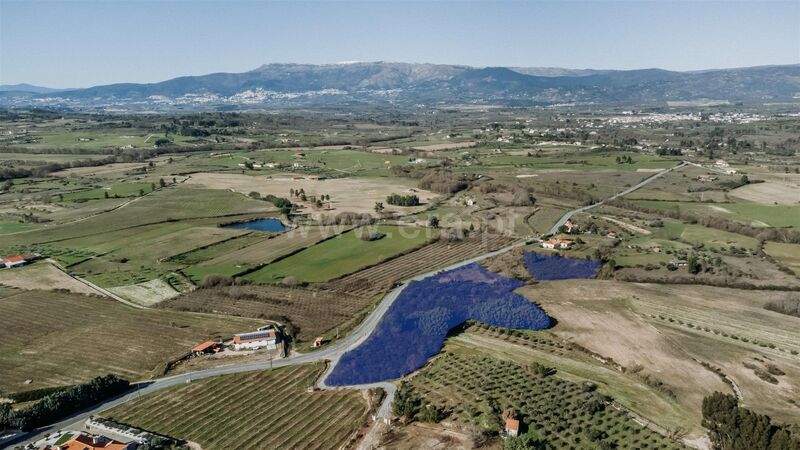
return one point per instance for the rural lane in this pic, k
(331, 353)
(641, 184)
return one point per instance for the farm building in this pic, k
(318, 342)
(84, 441)
(257, 339)
(558, 243)
(206, 348)
(512, 427)
(14, 261)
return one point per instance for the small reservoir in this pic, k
(264, 225)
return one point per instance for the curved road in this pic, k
(331, 353)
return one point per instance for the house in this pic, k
(558, 243)
(318, 342)
(706, 178)
(512, 427)
(570, 225)
(267, 338)
(612, 235)
(85, 441)
(419, 161)
(206, 348)
(14, 261)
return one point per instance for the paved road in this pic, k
(644, 182)
(331, 353)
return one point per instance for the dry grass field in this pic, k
(42, 275)
(770, 193)
(347, 194)
(667, 330)
(54, 338)
(786, 254)
(258, 410)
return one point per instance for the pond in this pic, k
(265, 225)
(416, 325)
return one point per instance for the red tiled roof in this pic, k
(512, 424)
(14, 259)
(204, 346)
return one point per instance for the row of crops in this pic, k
(474, 390)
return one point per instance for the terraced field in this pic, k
(258, 410)
(55, 338)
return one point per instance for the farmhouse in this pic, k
(206, 348)
(85, 441)
(558, 243)
(14, 261)
(570, 226)
(257, 339)
(512, 427)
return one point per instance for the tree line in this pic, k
(61, 403)
(735, 428)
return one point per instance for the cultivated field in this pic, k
(769, 193)
(257, 410)
(474, 390)
(344, 254)
(56, 339)
(347, 194)
(786, 254)
(319, 310)
(647, 326)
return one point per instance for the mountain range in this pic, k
(279, 85)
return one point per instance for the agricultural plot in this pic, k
(660, 330)
(474, 390)
(231, 257)
(423, 315)
(269, 409)
(115, 190)
(343, 254)
(316, 311)
(554, 267)
(57, 339)
(380, 278)
(347, 194)
(310, 311)
(580, 161)
(43, 276)
(786, 254)
(148, 293)
(753, 214)
(769, 193)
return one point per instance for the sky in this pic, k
(85, 43)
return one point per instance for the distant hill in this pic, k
(277, 85)
(24, 87)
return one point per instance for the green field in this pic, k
(579, 161)
(256, 410)
(786, 254)
(115, 190)
(15, 227)
(342, 255)
(753, 214)
(56, 339)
